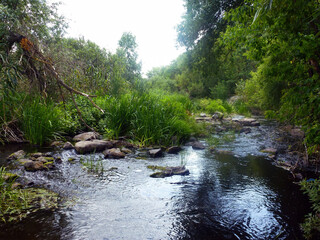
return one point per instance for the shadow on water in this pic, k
(228, 195)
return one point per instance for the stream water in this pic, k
(232, 194)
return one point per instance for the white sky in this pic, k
(153, 23)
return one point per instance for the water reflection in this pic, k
(226, 196)
(237, 198)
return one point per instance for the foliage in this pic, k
(127, 50)
(311, 226)
(40, 120)
(283, 39)
(147, 118)
(213, 105)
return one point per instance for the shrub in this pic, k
(311, 225)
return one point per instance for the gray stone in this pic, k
(16, 155)
(203, 115)
(113, 153)
(33, 166)
(174, 149)
(86, 136)
(68, 146)
(197, 145)
(83, 147)
(154, 153)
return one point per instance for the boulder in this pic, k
(33, 166)
(154, 153)
(113, 153)
(174, 149)
(86, 136)
(203, 115)
(197, 145)
(16, 155)
(68, 146)
(83, 147)
(170, 171)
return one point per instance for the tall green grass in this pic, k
(147, 118)
(40, 120)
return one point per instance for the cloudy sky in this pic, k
(153, 23)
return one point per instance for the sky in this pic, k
(153, 22)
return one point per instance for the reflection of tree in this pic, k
(237, 198)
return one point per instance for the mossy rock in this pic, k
(21, 202)
(10, 177)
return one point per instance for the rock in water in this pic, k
(197, 145)
(170, 171)
(154, 153)
(113, 153)
(68, 146)
(16, 155)
(174, 149)
(83, 147)
(86, 136)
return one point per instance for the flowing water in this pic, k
(232, 194)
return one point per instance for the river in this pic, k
(236, 193)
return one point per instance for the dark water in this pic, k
(228, 195)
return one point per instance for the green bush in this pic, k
(311, 225)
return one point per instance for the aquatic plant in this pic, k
(16, 204)
(92, 165)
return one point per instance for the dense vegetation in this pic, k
(265, 52)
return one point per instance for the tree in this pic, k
(128, 50)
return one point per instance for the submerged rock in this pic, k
(86, 136)
(170, 171)
(16, 155)
(154, 153)
(174, 149)
(83, 147)
(113, 153)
